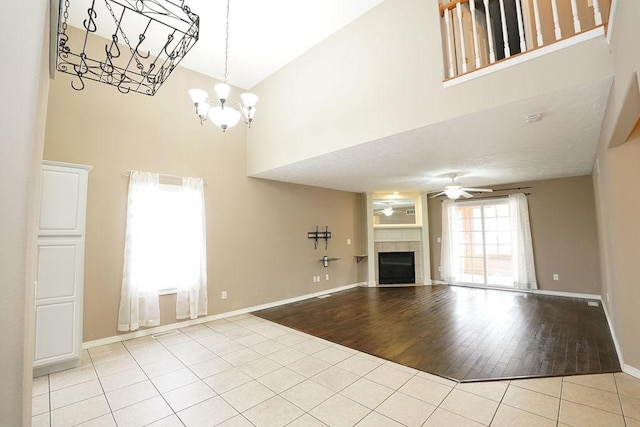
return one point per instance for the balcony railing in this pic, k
(478, 33)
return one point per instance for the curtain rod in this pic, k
(127, 174)
(485, 197)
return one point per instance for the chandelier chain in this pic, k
(124, 36)
(226, 47)
(66, 16)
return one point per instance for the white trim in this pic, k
(613, 337)
(527, 56)
(566, 294)
(627, 369)
(67, 165)
(39, 371)
(611, 22)
(178, 325)
(530, 291)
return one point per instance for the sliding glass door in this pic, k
(481, 241)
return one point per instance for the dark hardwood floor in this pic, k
(462, 333)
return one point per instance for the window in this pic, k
(165, 249)
(488, 242)
(483, 231)
(166, 244)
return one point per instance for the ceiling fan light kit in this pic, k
(454, 190)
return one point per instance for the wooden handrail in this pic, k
(451, 5)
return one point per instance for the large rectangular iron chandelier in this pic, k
(131, 44)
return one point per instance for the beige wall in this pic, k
(23, 84)
(257, 243)
(563, 231)
(382, 75)
(617, 185)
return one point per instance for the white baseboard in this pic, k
(178, 325)
(627, 369)
(564, 294)
(532, 291)
(613, 336)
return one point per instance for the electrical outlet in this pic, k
(223, 295)
(348, 241)
(314, 279)
(318, 278)
(555, 276)
(326, 277)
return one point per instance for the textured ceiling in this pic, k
(490, 147)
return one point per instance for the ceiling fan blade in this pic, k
(478, 190)
(436, 195)
(466, 195)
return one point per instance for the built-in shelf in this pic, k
(391, 226)
(360, 257)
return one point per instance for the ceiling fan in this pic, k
(455, 190)
(388, 211)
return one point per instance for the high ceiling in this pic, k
(491, 147)
(486, 148)
(264, 35)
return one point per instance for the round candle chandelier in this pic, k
(223, 115)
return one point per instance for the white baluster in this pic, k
(476, 50)
(447, 25)
(463, 50)
(523, 43)
(556, 21)
(596, 12)
(536, 16)
(505, 33)
(492, 53)
(576, 19)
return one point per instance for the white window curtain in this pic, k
(192, 283)
(165, 249)
(524, 272)
(449, 256)
(139, 300)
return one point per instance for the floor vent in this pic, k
(593, 304)
(324, 296)
(164, 334)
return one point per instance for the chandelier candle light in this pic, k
(222, 115)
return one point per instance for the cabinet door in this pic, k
(55, 333)
(63, 201)
(58, 300)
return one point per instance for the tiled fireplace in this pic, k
(414, 246)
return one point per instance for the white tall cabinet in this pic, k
(60, 266)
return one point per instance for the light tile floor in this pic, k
(246, 371)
